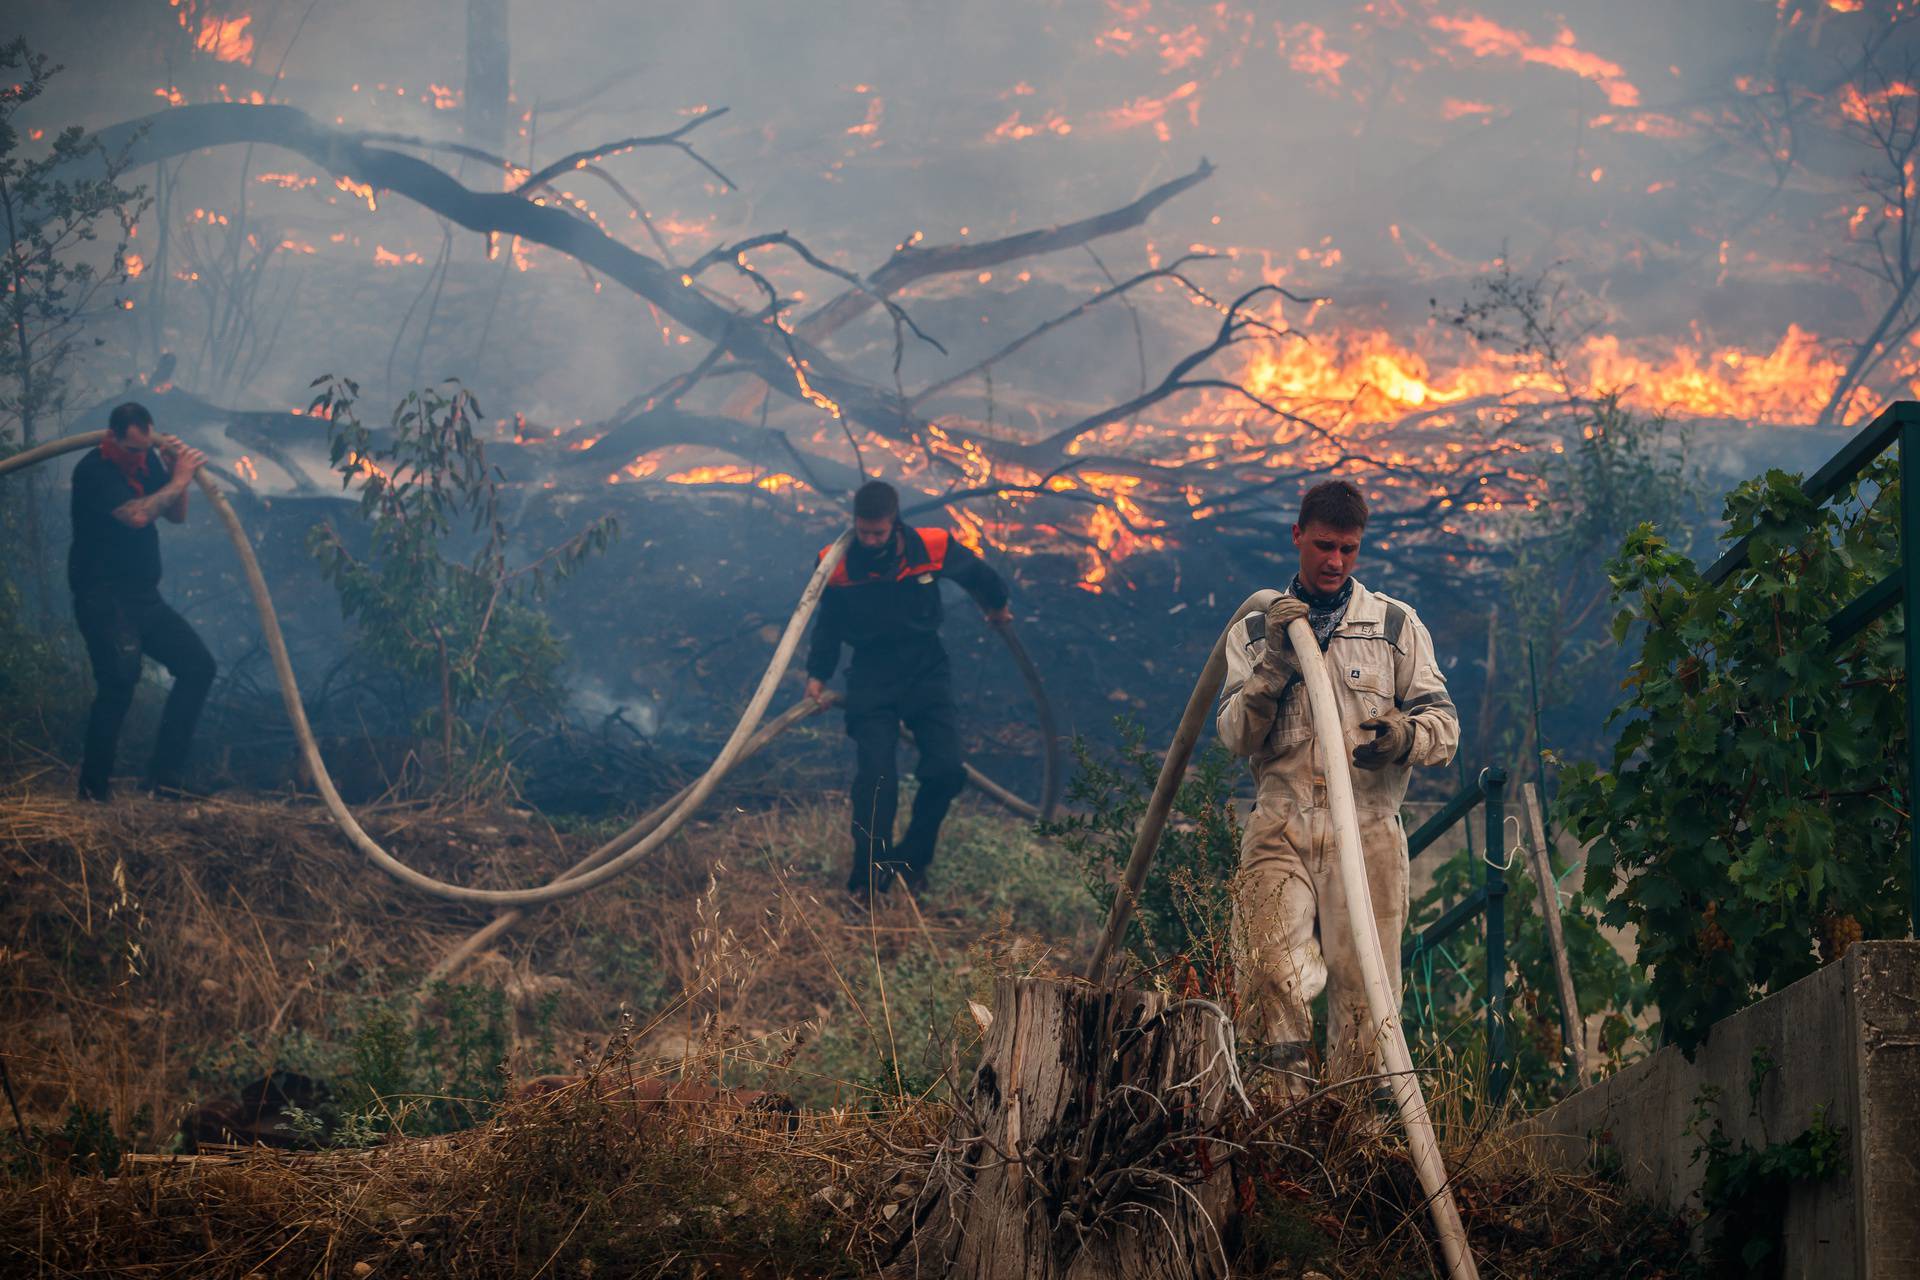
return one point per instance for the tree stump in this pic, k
(1089, 1143)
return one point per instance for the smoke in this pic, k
(592, 703)
(1378, 154)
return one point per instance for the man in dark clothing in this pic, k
(119, 489)
(883, 602)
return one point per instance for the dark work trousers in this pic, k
(118, 628)
(914, 687)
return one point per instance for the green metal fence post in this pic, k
(1493, 785)
(1910, 609)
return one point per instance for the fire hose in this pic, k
(1390, 1039)
(622, 851)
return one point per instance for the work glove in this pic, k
(1281, 614)
(1392, 741)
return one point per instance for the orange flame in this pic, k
(1484, 38)
(361, 189)
(1147, 110)
(1304, 46)
(871, 125)
(1378, 380)
(226, 38)
(729, 473)
(1013, 130)
(384, 257)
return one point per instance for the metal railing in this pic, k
(1490, 899)
(1898, 424)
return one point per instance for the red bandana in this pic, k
(131, 463)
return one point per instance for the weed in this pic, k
(1744, 1195)
(1183, 912)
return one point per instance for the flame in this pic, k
(1379, 380)
(1013, 130)
(243, 466)
(1484, 38)
(1456, 108)
(361, 189)
(291, 181)
(730, 473)
(871, 125)
(674, 227)
(134, 264)
(1148, 110)
(1178, 48)
(444, 99)
(226, 38)
(174, 97)
(384, 257)
(1304, 46)
(1874, 107)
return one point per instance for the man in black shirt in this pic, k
(119, 489)
(883, 602)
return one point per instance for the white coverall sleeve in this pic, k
(1421, 692)
(1250, 698)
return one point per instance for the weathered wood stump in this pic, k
(1090, 1142)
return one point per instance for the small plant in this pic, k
(438, 1072)
(1185, 909)
(467, 627)
(86, 1142)
(1445, 987)
(1744, 1195)
(63, 249)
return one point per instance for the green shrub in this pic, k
(1185, 909)
(1444, 1000)
(1753, 820)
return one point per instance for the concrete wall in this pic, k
(1847, 1039)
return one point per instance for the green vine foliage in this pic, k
(437, 596)
(1443, 1002)
(1752, 823)
(1180, 924)
(1744, 1190)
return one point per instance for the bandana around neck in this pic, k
(1324, 612)
(130, 463)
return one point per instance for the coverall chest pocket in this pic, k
(1365, 680)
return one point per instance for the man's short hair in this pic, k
(1338, 504)
(127, 415)
(875, 500)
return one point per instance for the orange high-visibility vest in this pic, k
(934, 540)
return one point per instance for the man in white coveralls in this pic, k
(1290, 931)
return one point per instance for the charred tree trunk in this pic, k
(486, 92)
(1089, 1143)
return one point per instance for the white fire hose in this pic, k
(615, 856)
(1390, 1039)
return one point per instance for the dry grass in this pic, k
(155, 954)
(1331, 1191)
(158, 955)
(566, 1184)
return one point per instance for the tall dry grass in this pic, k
(158, 955)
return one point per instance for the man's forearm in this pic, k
(176, 510)
(140, 512)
